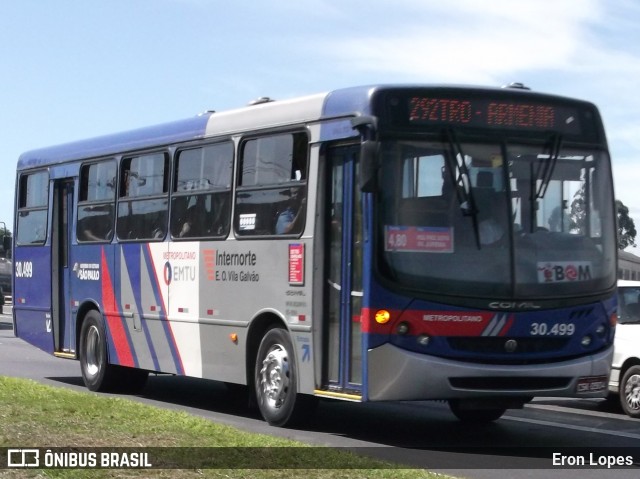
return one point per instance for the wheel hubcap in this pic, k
(275, 377)
(632, 392)
(92, 352)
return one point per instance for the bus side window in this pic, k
(96, 201)
(33, 202)
(143, 203)
(201, 194)
(272, 180)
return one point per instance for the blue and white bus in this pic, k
(369, 244)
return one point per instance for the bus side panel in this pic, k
(32, 302)
(92, 280)
(128, 283)
(176, 307)
(140, 335)
(246, 281)
(87, 274)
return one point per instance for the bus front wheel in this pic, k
(276, 380)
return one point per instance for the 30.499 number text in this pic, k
(24, 269)
(558, 329)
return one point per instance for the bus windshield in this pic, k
(495, 219)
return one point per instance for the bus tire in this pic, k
(276, 379)
(97, 373)
(630, 392)
(475, 416)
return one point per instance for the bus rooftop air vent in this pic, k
(262, 99)
(517, 85)
(206, 112)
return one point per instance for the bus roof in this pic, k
(270, 114)
(198, 127)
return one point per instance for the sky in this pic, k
(71, 70)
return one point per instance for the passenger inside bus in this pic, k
(491, 227)
(289, 219)
(189, 223)
(559, 220)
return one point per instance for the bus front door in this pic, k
(343, 285)
(60, 248)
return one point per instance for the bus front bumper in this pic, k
(395, 374)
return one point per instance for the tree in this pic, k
(578, 212)
(626, 227)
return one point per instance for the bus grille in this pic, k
(508, 383)
(497, 345)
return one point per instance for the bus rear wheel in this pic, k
(630, 392)
(276, 380)
(97, 373)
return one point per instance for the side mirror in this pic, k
(369, 151)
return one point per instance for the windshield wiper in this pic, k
(461, 180)
(542, 175)
(545, 169)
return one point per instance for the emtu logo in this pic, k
(210, 263)
(167, 273)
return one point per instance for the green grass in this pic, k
(34, 415)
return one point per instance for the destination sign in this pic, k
(483, 112)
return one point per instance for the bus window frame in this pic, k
(123, 198)
(302, 185)
(112, 202)
(30, 209)
(174, 194)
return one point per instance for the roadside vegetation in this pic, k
(33, 415)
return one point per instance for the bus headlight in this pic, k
(586, 341)
(423, 340)
(601, 330)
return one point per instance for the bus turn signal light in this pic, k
(382, 316)
(234, 338)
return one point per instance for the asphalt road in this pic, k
(422, 435)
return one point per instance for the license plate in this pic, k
(591, 384)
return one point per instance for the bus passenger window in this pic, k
(33, 202)
(96, 198)
(201, 194)
(143, 203)
(271, 194)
